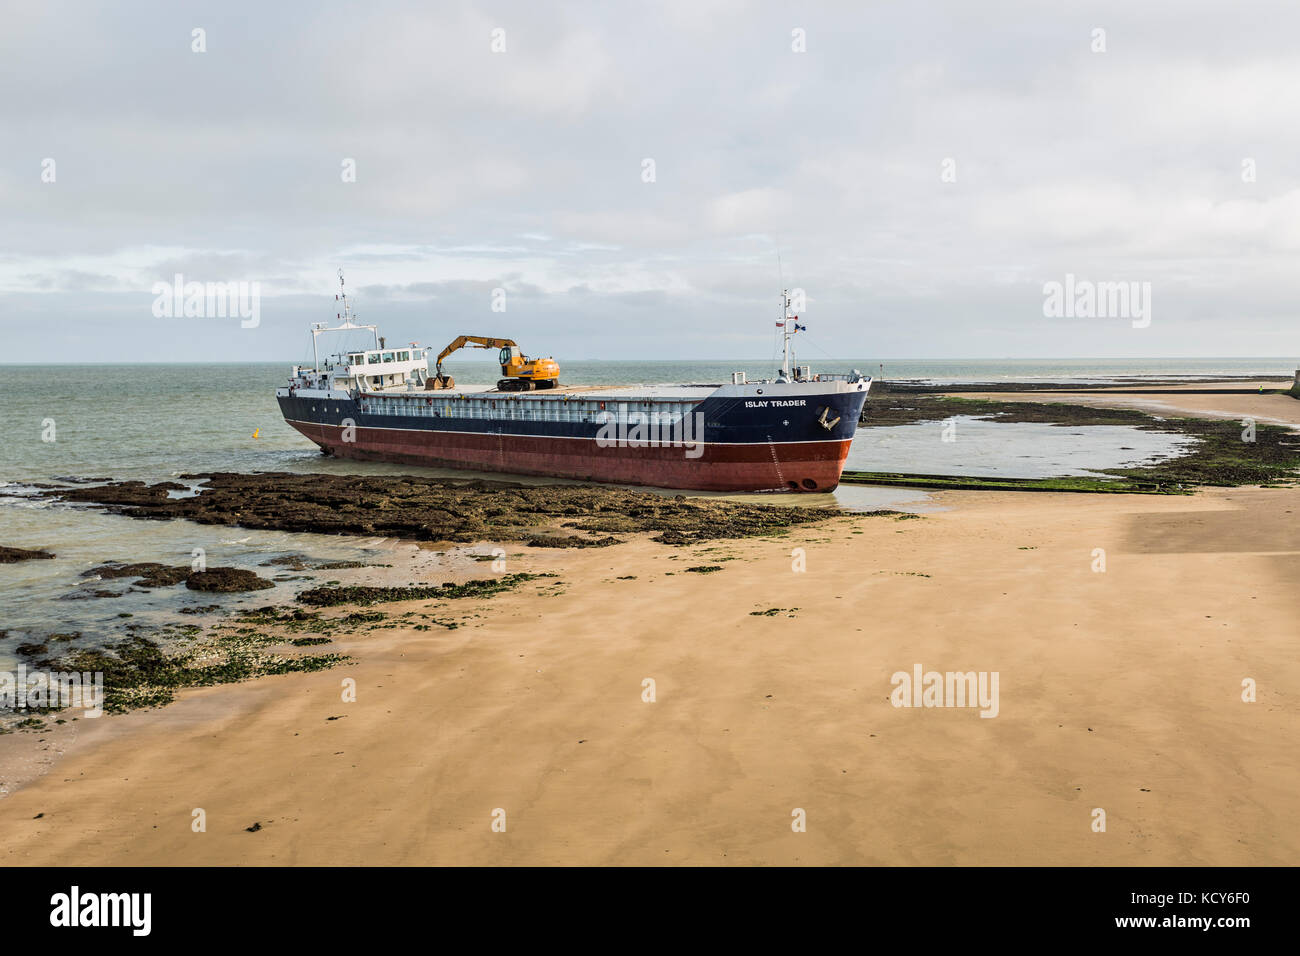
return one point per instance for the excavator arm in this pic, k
(475, 341)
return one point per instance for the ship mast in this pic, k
(787, 354)
(347, 318)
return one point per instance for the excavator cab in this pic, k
(510, 357)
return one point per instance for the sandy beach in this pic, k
(1234, 401)
(1119, 689)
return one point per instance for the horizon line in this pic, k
(874, 361)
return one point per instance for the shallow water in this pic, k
(45, 596)
(965, 445)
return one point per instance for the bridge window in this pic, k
(403, 356)
(372, 358)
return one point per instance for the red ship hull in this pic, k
(769, 466)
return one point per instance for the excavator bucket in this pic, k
(437, 382)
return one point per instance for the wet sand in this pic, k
(1119, 690)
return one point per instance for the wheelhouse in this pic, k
(376, 369)
(361, 370)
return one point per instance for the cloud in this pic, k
(753, 209)
(522, 170)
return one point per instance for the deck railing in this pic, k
(511, 409)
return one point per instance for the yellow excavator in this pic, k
(521, 373)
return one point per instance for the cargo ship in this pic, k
(791, 433)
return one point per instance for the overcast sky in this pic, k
(524, 170)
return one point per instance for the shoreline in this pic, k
(1275, 405)
(772, 692)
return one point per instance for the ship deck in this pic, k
(686, 392)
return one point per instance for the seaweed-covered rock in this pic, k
(363, 595)
(151, 574)
(139, 672)
(226, 580)
(570, 541)
(454, 510)
(13, 555)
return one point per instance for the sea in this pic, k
(74, 423)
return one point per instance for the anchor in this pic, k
(828, 425)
